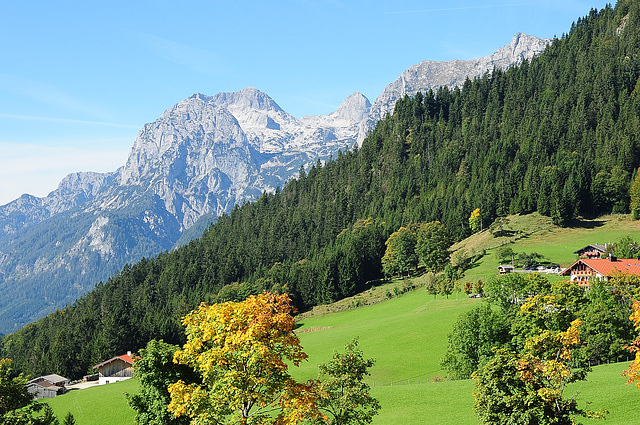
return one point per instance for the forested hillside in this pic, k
(558, 135)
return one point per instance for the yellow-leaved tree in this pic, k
(530, 387)
(633, 371)
(475, 220)
(242, 350)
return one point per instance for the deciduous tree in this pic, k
(432, 245)
(400, 255)
(156, 371)
(472, 340)
(505, 254)
(626, 248)
(475, 221)
(16, 407)
(13, 390)
(529, 388)
(242, 351)
(344, 397)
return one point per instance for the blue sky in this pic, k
(79, 79)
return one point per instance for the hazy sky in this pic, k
(79, 79)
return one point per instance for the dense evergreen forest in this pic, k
(558, 134)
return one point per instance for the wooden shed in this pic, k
(115, 369)
(506, 268)
(48, 386)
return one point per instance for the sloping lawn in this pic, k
(99, 405)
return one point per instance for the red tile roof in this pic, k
(606, 267)
(124, 357)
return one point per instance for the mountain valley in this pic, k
(202, 157)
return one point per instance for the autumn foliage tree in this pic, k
(242, 351)
(633, 371)
(529, 388)
(475, 221)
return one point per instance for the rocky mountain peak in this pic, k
(522, 47)
(193, 124)
(354, 108)
(248, 98)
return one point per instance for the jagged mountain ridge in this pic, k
(200, 158)
(432, 75)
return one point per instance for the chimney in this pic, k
(129, 353)
(612, 257)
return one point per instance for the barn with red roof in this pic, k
(115, 369)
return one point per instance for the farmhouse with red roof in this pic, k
(586, 269)
(115, 369)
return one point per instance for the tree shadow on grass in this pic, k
(585, 224)
(504, 233)
(473, 265)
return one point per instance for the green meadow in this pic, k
(99, 405)
(407, 336)
(406, 333)
(408, 344)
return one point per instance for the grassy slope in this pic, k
(450, 403)
(407, 337)
(100, 405)
(535, 233)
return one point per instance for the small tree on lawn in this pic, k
(69, 419)
(343, 396)
(432, 284)
(432, 245)
(505, 254)
(473, 339)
